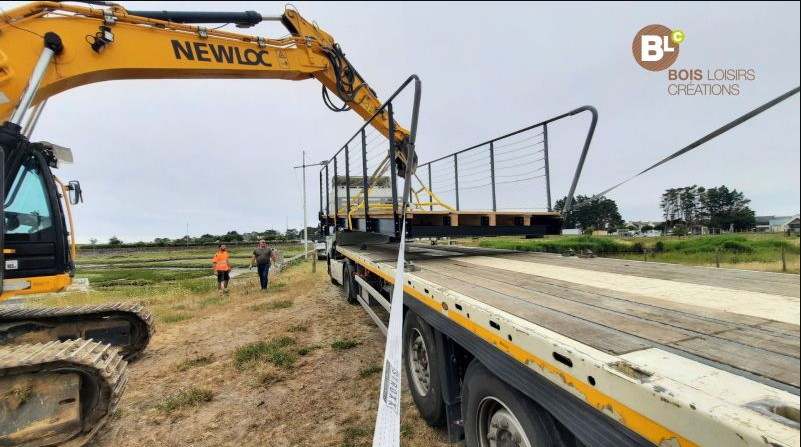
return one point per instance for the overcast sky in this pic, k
(153, 156)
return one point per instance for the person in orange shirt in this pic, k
(222, 268)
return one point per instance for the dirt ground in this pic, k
(326, 397)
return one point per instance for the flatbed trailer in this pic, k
(532, 349)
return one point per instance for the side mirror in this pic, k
(75, 192)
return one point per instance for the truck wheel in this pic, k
(496, 414)
(420, 356)
(349, 284)
(333, 281)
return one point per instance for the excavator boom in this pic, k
(112, 43)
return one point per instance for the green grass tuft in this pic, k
(344, 344)
(187, 397)
(370, 370)
(306, 350)
(175, 318)
(272, 305)
(273, 352)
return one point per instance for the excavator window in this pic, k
(27, 209)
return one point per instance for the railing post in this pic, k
(365, 184)
(430, 189)
(336, 195)
(347, 183)
(393, 173)
(547, 165)
(456, 178)
(492, 175)
(327, 195)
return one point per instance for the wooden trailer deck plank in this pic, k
(616, 311)
(788, 346)
(746, 352)
(773, 366)
(593, 298)
(726, 325)
(774, 283)
(616, 322)
(757, 304)
(600, 338)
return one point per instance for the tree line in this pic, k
(270, 235)
(718, 207)
(683, 207)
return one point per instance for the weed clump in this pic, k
(369, 371)
(341, 345)
(272, 305)
(187, 397)
(274, 352)
(175, 318)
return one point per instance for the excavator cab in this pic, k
(36, 233)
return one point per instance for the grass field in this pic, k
(751, 252)
(293, 366)
(175, 257)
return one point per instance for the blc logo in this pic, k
(656, 47)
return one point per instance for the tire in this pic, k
(349, 284)
(422, 373)
(487, 401)
(333, 281)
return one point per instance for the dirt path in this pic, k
(327, 397)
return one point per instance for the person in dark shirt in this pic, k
(262, 257)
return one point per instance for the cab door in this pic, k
(35, 233)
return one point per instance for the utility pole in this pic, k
(305, 226)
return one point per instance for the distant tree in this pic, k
(716, 207)
(232, 236)
(314, 233)
(632, 228)
(599, 213)
(272, 235)
(161, 241)
(670, 204)
(646, 228)
(688, 204)
(680, 230)
(207, 239)
(93, 241)
(292, 234)
(114, 241)
(724, 207)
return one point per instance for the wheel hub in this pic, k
(418, 362)
(498, 427)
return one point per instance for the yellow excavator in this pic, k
(62, 371)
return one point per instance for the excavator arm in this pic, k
(48, 47)
(101, 44)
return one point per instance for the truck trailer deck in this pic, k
(618, 352)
